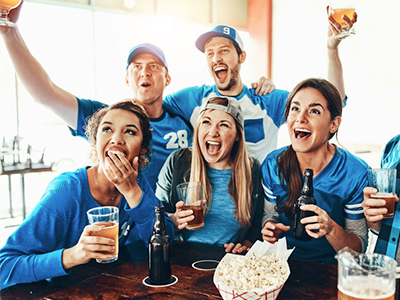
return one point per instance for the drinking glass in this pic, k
(5, 6)
(191, 193)
(365, 275)
(107, 216)
(384, 180)
(338, 8)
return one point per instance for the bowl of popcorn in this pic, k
(260, 274)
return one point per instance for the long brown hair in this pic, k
(286, 163)
(240, 185)
(129, 105)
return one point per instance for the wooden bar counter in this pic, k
(123, 279)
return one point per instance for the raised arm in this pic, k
(335, 70)
(35, 78)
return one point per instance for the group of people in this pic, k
(224, 136)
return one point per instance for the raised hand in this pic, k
(335, 28)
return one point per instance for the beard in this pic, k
(232, 81)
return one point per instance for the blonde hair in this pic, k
(240, 185)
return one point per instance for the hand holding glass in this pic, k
(107, 216)
(5, 6)
(384, 180)
(191, 193)
(337, 9)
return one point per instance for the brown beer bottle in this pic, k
(306, 197)
(159, 250)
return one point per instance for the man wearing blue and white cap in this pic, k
(263, 114)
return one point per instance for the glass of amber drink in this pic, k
(365, 276)
(108, 217)
(5, 6)
(338, 8)
(191, 193)
(384, 180)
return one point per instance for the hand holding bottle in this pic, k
(318, 225)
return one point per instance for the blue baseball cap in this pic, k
(220, 31)
(146, 48)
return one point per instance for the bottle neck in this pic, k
(308, 189)
(159, 224)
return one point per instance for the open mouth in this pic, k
(221, 73)
(301, 133)
(145, 84)
(213, 147)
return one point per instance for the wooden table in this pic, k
(123, 279)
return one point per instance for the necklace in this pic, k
(97, 186)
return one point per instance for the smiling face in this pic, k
(216, 136)
(147, 77)
(224, 65)
(309, 121)
(120, 132)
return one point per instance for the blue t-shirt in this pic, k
(220, 224)
(338, 190)
(263, 115)
(169, 132)
(34, 251)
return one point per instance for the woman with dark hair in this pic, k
(231, 180)
(313, 114)
(56, 237)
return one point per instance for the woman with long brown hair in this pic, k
(231, 180)
(313, 114)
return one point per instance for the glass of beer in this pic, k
(5, 6)
(365, 276)
(191, 193)
(384, 180)
(108, 217)
(338, 8)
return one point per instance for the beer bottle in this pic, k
(306, 197)
(159, 250)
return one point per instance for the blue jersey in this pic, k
(169, 132)
(263, 115)
(338, 190)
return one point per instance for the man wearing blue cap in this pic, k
(263, 114)
(146, 76)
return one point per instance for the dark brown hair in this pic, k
(129, 105)
(286, 163)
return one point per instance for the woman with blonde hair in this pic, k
(231, 180)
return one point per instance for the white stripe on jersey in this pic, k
(268, 192)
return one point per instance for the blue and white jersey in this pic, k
(263, 115)
(169, 132)
(338, 190)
